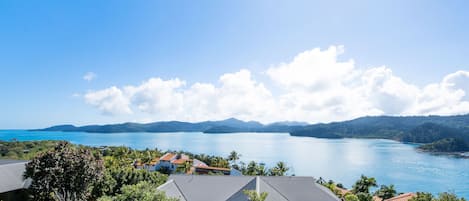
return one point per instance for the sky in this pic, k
(99, 62)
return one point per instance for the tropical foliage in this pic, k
(14, 149)
(386, 192)
(361, 191)
(259, 169)
(142, 191)
(64, 173)
(421, 196)
(364, 184)
(254, 196)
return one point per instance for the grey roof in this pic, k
(10, 161)
(11, 174)
(230, 188)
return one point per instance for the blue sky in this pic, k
(46, 47)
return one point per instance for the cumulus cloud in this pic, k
(157, 95)
(89, 76)
(450, 96)
(110, 101)
(315, 86)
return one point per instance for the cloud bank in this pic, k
(315, 86)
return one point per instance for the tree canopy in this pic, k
(64, 173)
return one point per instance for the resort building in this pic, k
(181, 163)
(12, 184)
(226, 188)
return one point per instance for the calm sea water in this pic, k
(342, 160)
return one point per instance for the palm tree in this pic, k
(261, 170)
(234, 157)
(364, 184)
(280, 169)
(386, 192)
(251, 169)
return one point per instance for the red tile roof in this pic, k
(402, 197)
(342, 190)
(167, 157)
(179, 161)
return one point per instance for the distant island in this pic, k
(436, 133)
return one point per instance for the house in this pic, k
(174, 163)
(227, 188)
(171, 161)
(402, 197)
(12, 184)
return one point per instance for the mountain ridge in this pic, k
(452, 131)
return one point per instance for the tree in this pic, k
(449, 197)
(64, 173)
(331, 186)
(187, 167)
(386, 192)
(234, 157)
(254, 196)
(131, 176)
(351, 197)
(280, 169)
(184, 168)
(142, 191)
(262, 170)
(422, 196)
(364, 196)
(364, 184)
(251, 169)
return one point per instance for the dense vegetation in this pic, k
(24, 150)
(406, 129)
(431, 132)
(362, 191)
(63, 171)
(384, 126)
(446, 145)
(229, 126)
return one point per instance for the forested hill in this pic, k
(417, 129)
(231, 125)
(385, 126)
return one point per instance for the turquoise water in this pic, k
(342, 160)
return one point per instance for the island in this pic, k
(437, 133)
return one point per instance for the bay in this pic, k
(342, 160)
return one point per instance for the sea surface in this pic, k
(342, 160)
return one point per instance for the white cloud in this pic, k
(450, 96)
(89, 76)
(157, 95)
(110, 101)
(313, 69)
(315, 86)
(386, 92)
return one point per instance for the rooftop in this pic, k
(218, 188)
(212, 168)
(167, 157)
(11, 174)
(402, 197)
(9, 161)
